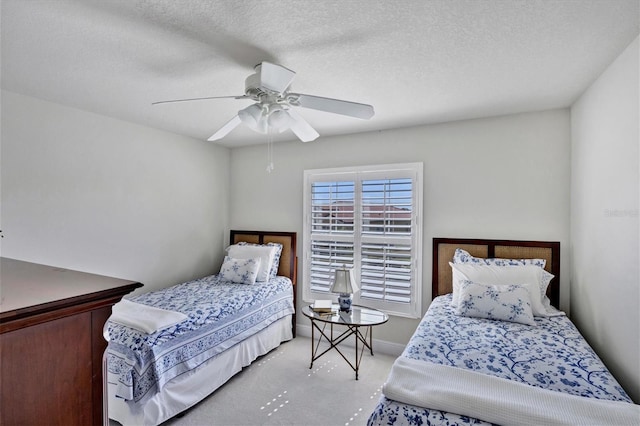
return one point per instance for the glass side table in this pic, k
(358, 318)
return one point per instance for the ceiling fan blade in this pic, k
(301, 128)
(275, 77)
(201, 99)
(336, 106)
(224, 130)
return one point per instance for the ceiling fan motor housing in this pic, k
(252, 87)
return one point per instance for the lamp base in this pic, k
(344, 300)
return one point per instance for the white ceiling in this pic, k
(415, 61)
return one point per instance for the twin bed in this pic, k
(492, 348)
(499, 355)
(171, 348)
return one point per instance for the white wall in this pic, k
(605, 281)
(504, 177)
(88, 192)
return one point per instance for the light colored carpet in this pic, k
(280, 389)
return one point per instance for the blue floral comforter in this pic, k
(552, 355)
(220, 314)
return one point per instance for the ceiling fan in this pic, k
(274, 106)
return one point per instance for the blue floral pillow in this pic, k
(496, 302)
(463, 256)
(275, 264)
(241, 271)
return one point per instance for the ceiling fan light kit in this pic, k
(279, 119)
(252, 117)
(273, 111)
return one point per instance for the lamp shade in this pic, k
(344, 282)
(253, 118)
(279, 119)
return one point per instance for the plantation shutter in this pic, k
(332, 230)
(387, 211)
(368, 219)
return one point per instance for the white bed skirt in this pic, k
(191, 388)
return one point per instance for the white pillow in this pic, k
(276, 258)
(496, 302)
(265, 253)
(241, 271)
(504, 275)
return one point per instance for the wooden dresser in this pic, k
(51, 343)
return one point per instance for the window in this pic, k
(369, 219)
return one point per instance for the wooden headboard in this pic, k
(444, 248)
(288, 259)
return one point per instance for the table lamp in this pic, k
(345, 284)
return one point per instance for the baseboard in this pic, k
(382, 346)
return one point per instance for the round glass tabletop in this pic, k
(358, 316)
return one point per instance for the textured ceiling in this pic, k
(415, 61)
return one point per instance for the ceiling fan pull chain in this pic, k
(270, 150)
